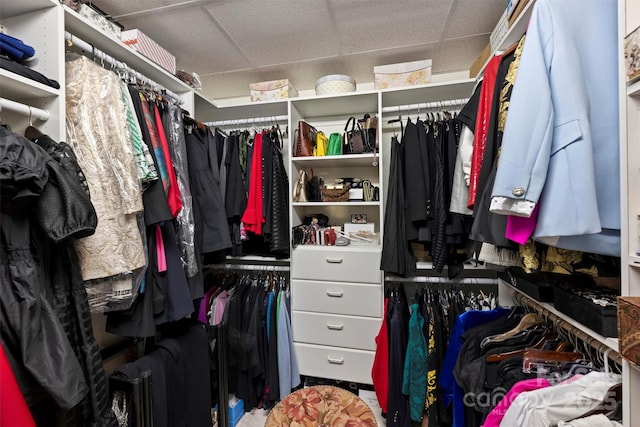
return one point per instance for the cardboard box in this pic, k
(402, 74)
(517, 11)
(480, 61)
(629, 328)
(272, 90)
(149, 48)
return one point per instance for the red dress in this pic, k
(380, 369)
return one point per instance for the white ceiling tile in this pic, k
(459, 54)
(473, 17)
(232, 43)
(199, 46)
(278, 31)
(373, 25)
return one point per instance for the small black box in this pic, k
(593, 306)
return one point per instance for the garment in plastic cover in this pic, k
(185, 226)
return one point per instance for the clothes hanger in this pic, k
(32, 133)
(526, 322)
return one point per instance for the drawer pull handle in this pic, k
(336, 360)
(334, 260)
(335, 294)
(335, 326)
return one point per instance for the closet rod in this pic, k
(442, 280)
(248, 121)
(97, 53)
(570, 329)
(425, 105)
(249, 267)
(24, 109)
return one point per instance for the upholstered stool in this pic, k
(321, 406)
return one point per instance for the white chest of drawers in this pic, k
(337, 297)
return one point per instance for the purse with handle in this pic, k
(300, 187)
(353, 138)
(305, 139)
(322, 143)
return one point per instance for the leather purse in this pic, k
(300, 187)
(306, 139)
(335, 193)
(322, 143)
(335, 145)
(369, 126)
(353, 138)
(330, 237)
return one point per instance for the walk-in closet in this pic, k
(302, 213)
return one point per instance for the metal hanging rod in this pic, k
(248, 121)
(247, 267)
(119, 65)
(24, 109)
(442, 280)
(425, 105)
(571, 330)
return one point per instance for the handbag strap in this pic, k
(353, 126)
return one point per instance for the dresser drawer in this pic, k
(337, 331)
(337, 297)
(335, 363)
(337, 264)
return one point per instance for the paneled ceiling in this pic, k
(231, 43)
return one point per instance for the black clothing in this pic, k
(469, 112)
(415, 184)
(45, 324)
(398, 403)
(211, 229)
(397, 254)
(27, 72)
(279, 205)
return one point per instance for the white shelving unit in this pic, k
(629, 20)
(40, 24)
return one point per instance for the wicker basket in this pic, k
(335, 193)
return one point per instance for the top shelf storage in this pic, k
(79, 26)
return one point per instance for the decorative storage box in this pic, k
(149, 48)
(335, 84)
(272, 90)
(402, 74)
(632, 55)
(98, 20)
(629, 328)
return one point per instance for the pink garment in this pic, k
(497, 414)
(520, 229)
(162, 259)
(219, 306)
(204, 306)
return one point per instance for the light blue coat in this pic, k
(560, 146)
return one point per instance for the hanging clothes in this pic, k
(236, 193)
(211, 229)
(397, 255)
(398, 403)
(45, 322)
(416, 368)
(184, 223)
(380, 368)
(253, 218)
(97, 130)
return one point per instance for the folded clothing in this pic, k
(15, 48)
(27, 72)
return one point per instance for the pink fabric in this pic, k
(219, 307)
(204, 306)
(252, 217)
(497, 414)
(162, 259)
(520, 229)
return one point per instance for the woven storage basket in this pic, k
(330, 194)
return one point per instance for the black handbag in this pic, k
(353, 138)
(369, 126)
